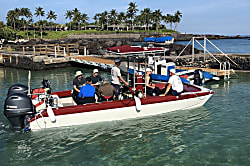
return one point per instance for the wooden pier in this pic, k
(36, 57)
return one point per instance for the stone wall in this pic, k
(31, 63)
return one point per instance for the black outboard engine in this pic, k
(18, 88)
(198, 77)
(18, 107)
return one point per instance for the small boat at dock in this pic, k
(59, 110)
(42, 109)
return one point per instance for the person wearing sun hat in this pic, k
(174, 86)
(78, 82)
(96, 78)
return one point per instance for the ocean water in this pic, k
(241, 46)
(214, 134)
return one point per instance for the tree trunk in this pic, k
(41, 30)
(132, 24)
(34, 33)
(175, 26)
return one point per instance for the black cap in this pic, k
(88, 79)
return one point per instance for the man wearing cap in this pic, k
(78, 82)
(116, 76)
(96, 78)
(174, 86)
(107, 91)
(87, 92)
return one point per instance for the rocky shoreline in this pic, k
(97, 45)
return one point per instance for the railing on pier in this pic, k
(224, 66)
(43, 49)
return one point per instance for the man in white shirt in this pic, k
(175, 86)
(116, 76)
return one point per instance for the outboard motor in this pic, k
(198, 77)
(18, 107)
(18, 88)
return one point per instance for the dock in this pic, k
(37, 57)
(216, 72)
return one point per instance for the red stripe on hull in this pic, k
(117, 104)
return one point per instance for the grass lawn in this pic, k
(63, 34)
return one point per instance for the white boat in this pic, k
(45, 109)
(27, 114)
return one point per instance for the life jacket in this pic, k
(35, 91)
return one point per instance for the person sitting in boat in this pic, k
(78, 82)
(116, 76)
(174, 86)
(96, 78)
(151, 89)
(87, 92)
(106, 92)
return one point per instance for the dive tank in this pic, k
(18, 88)
(18, 108)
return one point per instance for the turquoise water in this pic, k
(215, 134)
(225, 45)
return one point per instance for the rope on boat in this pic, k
(40, 113)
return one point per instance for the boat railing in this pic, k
(136, 71)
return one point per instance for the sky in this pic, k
(221, 17)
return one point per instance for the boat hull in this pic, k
(121, 113)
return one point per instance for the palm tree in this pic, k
(113, 18)
(169, 19)
(77, 17)
(84, 18)
(28, 15)
(104, 19)
(51, 15)
(12, 18)
(39, 12)
(131, 13)
(97, 18)
(121, 18)
(146, 13)
(69, 15)
(177, 16)
(157, 18)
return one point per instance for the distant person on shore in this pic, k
(174, 86)
(87, 92)
(116, 76)
(106, 91)
(151, 89)
(96, 78)
(78, 82)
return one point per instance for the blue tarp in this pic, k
(149, 39)
(159, 77)
(163, 39)
(158, 39)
